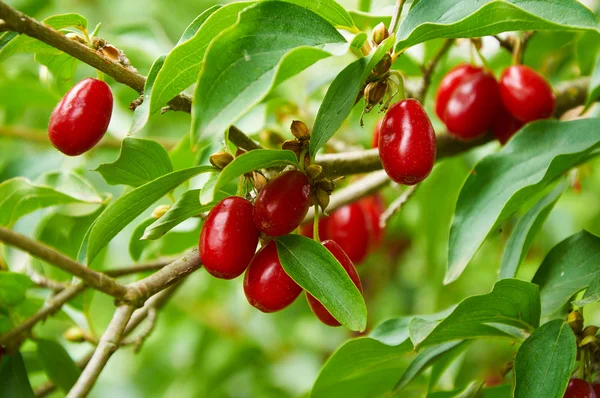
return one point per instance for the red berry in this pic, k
(347, 226)
(473, 106)
(579, 388)
(228, 239)
(317, 308)
(505, 125)
(526, 94)
(449, 83)
(282, 204)
(596, 388)
(81, 117)
(266, 285)
(407, 143)
(373, 208)
(375, 138)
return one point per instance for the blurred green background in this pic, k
(208, 341)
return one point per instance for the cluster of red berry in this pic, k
(470, 101)
(231, 232)
(579, 388)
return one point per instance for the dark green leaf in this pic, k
(136, 244)
(431, 19)
(59, 366)
(13, 287)
(139, 162)
(568, 268)
(268, 44)
(341, 96)
(15, 383)
(132, 204)
(524, 233)
(544, 362)
(317, 271)
(501, 183)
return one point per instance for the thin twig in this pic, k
(44, 282)
(396, 16)
(430, 68)
(138, 268)
(396, 205)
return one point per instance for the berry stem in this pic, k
(316, 225)
(100, 75)
(481, 57)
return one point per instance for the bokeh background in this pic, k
(208, 342)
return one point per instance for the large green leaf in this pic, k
(544, 362)
(341, 96)
(512, 307)
(59, 366)
(431, 19)
(13, 287)
(524, 233)
(139, 162)
(125, 209)
(15, 383)
(502, 182)
(317, 271)
(329, 10)
(188, 205)
(245, 163)
(568, 268)
(269, 43)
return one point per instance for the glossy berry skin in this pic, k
(473, 106)
(228, 239)
(282, 204)
(347, 226)
(266, 285)
(526, 94)
(407, 143)
(596, 388)
(317, 308)
(373, 208)
(579, 388)
(505, 125)
(375, 137)
(81, 117)
(450, 83)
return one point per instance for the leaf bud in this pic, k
(300, 130)
(220, 159)
(314, 171)
(380, 33)
(160, 211)
(575, 320)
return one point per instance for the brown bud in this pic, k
(587, 340)
(300, 131)
(374, 93)
(383, 66)
(111, 52)
(220, 159)
(326, 185)
(74, 334)
(322, 199)
(258, 180)
(380, 33)
(590, 331)
(76, 37)
(292, 145)
(98, 42)
(575, 320)
(160, 211)
(314, 171)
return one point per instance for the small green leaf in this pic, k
(249, 161)
(568, 268)
(59, 366)
(13, 287)
(366, 20)
(139, 162)
(594, 90)
(136, 244)
(501, 183)
(317, 271)
(341, 96)
(513, 306)
(592, 293)
(15, 383)
(522, 237)
(545, 360)
(188, 205)
(432, 19)
(269, 43)
(125, 209)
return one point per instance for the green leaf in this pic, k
(329, 10)
(568, 268)
(512, 306)
(594, 90)
(15, 383)
(125, 209)
(139, 162)
(588, 48)
(249, 161)
(592, 293)
(431, 19)
(13, 287)
(59, 366)
(317, 271)
(268, 44)
(544, 362)
(522, 237)
(366, 20)
(425, 359)
(472, 390)
(341, 96)
(62, 68)
(136, 244)
(188, 205)
(501, 183)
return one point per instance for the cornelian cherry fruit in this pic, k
(505, 125)
(373, 208)
(81, 117)
(266, 285)
(596, 388)
(526, 94)
(228, 239)
(347, 227)
(282, 204)
(450, 83)
(407, 143)
(317, 308)
(579, 388)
